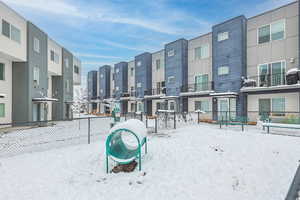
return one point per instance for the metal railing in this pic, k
(268, 80)
(155, 91)
(198, 87)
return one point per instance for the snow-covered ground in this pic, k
(193, 162)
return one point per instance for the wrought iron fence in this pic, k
(198, 87)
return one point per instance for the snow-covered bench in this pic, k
(278, 125)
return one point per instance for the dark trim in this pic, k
(231, 19)
(273, 91)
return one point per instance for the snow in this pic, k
(134, 125)
(193, 162)
(44, 99)
(166, 111)
(249, 80)
(292, 71)
(200, 111)
(282, 125)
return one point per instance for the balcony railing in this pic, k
(155, 91)
(198, 87)
(269, 80)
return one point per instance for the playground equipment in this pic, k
(125, 141)
(116, 114)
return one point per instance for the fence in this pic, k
(23, 137)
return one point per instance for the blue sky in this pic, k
(109, 31)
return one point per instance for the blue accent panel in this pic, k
(143, 73)
(121, 78)
(92, 85)
(176, 66)
(232, 53)
(104, 81)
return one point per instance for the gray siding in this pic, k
(104, 82)
(24, 87)
(176, 66)
(57, 93)
(143, 73)
(121, 78)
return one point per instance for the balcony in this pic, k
(155, 92)
(197, 89)
(269, 82)
(128, 95)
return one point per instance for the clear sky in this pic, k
(103, 32)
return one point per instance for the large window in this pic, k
(36, 76)
(11, 31)
(15, 34)
(202, 52)
(274, 31)
(223, 70)
(36, 45)
(2, 110)
(131, 71)
(271, 74)
(274, 105)
(223, 36)
(201, 82)
(158, 64)
(76, 70)
(171, 53)
(5, 28)
(202, 105)
(54, 57)
(2, 72)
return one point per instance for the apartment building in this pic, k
(272, 50)
(92, 79)
(104, 87)
(238, 69)
(13, 49)
(200, 84)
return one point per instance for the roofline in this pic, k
(268, 11)
(8, 7)
(176, 41)
(228, 20)
(158, 51)
(142, 54)
(210, 33)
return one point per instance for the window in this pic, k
(202, 105)
(67, 63)
(277, 30)
(5, 28)
(67, 85)
(54, 57)
(15, 34)
(117, 88)
(172, 106)
(36, 76)
(2, 110)
(271, 74)
(139, 85)
(139, 63)
(163, 84)
(157, 64)
(223, 70)
(223, 36)
(101, 91)
(171, 53)
(76, 70)
(2, 72)
(131, 71)
(171, 79)
(117, 70)
(274, 31)
(202, 52)
(36, 45)
(201, 82)
(278, 106)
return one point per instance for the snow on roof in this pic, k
(292, 71)
(44, 99)
(224, 94)
(166, 111)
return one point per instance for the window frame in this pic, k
(223, 66)
(171, 53)
(270, 24)
(221, 33)
(201, 47)
(18, 31)
(36, 45)
(2, 29)
(36, 72)
(3, 71)
(3, 116)
(269, 71)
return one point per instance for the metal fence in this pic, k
(24, 137)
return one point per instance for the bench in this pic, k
(242, 121)
(278, 125)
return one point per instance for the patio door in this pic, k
(226, 108)
(264, 107)
(201, 82)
